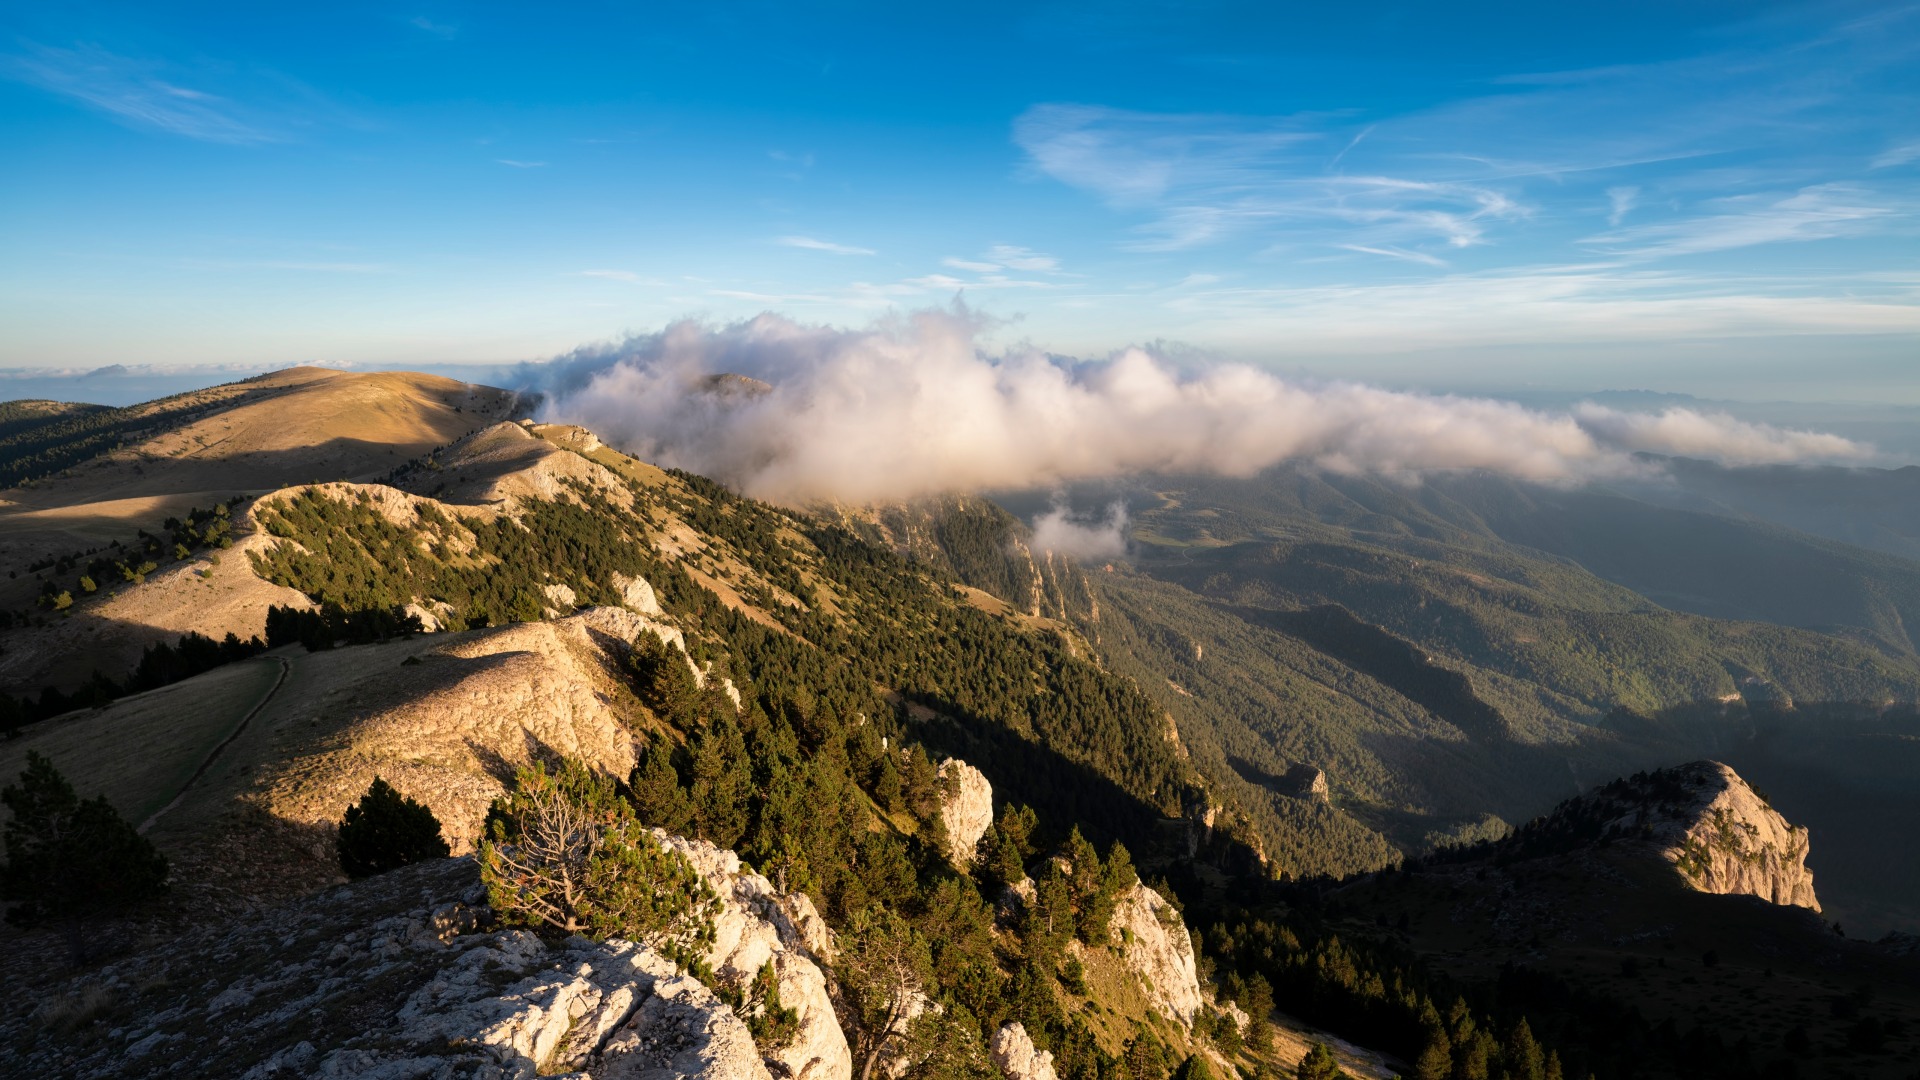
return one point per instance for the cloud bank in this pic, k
(1059, 531)
(913, 405)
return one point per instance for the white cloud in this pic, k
(1821, 212)
(1398, 253)
(811, 244)
(912, 405)
(437, 29)
(970, 264)
(613, 275)
(1061, 532)
(1897, 155)
(1783, 99)
(521, 164)
(131, 92)
(1620, 202)
(1019, 258)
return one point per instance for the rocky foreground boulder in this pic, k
(404, 976)
(758, 925)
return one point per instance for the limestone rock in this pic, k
(394, 977)
(1718, 833)
(1304, 781)
(560, 596)
(966, 805)
(1017, 1057)
(637, 594)
(757, 925)
(1157, 948)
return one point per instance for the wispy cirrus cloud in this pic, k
(1003, 257)
(139, 93)
(1821, 212)
(810, 243)
(1398, 253)
(444, 30)
(1621, 201)
(513, 163)
(1895, 156)
(1800, 107)
(627, 277)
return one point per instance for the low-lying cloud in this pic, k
(913, 405)
(1061, 532)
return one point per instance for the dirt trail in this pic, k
(214, 754)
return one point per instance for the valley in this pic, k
(1316, 714)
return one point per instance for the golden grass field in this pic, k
(141, 750)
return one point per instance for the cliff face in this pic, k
(1157, 948)
(1718, 833)
(1726, 839)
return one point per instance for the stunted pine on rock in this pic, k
(564, 852)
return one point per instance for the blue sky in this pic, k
(1715, 197)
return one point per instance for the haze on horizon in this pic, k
(1712, 199)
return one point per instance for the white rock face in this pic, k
(1014, 1052)
(966, 805)
(756, 925)
(560, 597)
(1157, 948)
(1721, 836)
(637, 594)
(613, 1006)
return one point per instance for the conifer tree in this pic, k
(1319, 1064)
(657, 795)
(68, 859)
(882, 970)
(564, 853)
(385, 831)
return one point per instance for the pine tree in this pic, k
(657, 795)
(564, 853)
(1436, 1060)
(1522, 1055)
(385, 831)
(1319, 1064)
(882, 971)
(1194, 1068)
(721, 781)
(67, 858)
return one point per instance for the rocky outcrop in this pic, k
(758, 925)
(1156, 947)
(398, 976)
(1305, 782)
(560, 599)
(966, 806)
(615, 1007)
(1014, 1052)
(637, 594)
(1716, 831)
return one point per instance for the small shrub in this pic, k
(386, 831)
(565, 853)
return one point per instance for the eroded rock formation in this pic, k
(1014, 1052)
(1724, 838)
(1155, 944)
(757, 925)
(966, 805)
